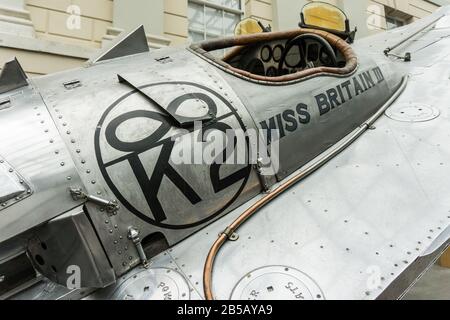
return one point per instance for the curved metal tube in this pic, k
(333, 151)
(409, 37)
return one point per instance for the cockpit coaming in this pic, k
(280, 57)
(314, 82)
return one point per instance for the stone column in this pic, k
(130, 14)
(14, 19)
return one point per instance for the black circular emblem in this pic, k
(137, 168)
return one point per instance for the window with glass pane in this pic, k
(393, 23)
(209, 19)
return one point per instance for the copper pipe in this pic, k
(209, 264)
(335, 150)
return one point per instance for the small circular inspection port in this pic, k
(412, 112)
(152, 284)
(282, 282)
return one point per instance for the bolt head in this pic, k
(133, 233)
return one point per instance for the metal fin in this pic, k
(160, 100)
(12, 76)
(126, 44)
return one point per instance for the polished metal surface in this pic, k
(126, 44)
(373, 210)
(33, 147)
(48, 290)
(425, 24)
(153, 284)
(102, 137)
(13, 186)
(83, 116)
(276, 283)
(321, 130)
(67, 247)
(412, 112)
(164, 271)
(12, 76)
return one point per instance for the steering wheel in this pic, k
(301, 42)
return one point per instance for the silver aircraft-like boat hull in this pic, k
(89, 188)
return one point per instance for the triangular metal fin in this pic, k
(12, 76)
(161, 102)
(126, 44)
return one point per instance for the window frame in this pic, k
(395, 19)
(224, 9)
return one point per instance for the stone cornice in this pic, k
(46, 46)
(154, 41)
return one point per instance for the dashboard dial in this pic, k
(278, 52)
(266, 53)
(294, 57)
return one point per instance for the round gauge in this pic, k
(272, 72)
(293, 57)
(278, 52)
(266, 53)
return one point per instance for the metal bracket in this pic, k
(262, 178)
(406, 57)
(230, 234)
(133, 235)
(111, 206)
(134, 82)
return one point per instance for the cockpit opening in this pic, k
(281, 56)
(321, 45)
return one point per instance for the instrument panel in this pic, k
(264, 59)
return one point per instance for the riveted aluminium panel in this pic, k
(308, 118)
(361, 222)
(32, 146)
(364, 211)
(92, 118)
(12, 186)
